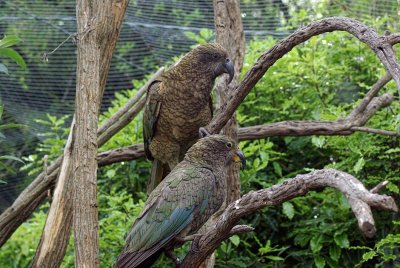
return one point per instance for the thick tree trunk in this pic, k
(99, 21)
(75, 196)
(229, 34)
(85, 214)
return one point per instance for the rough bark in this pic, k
(55, 236)
(229, 34)
(361, 200)
(84, 190)
(100, 23)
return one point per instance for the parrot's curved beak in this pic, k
(229, 69)
(239, 156)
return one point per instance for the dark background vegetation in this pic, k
(320, 80)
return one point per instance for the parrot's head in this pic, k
(211, 59)
(215, 150)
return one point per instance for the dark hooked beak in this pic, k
(229, 69)
(239, 156)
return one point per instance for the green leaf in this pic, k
(359, 165)
(3, 68)
(11, 53)
(319, 261)
(12, 125)
(341, 240)
(369, 255)
(318, 141)
(274, 258)
(235, 239)
(9, 41)
(288, 210)
(334, 252)
(316, 243)
(392, 187)
(110, 173)
(277, 168)
(10, 157)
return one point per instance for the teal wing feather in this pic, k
(171, 208)
(150, 116)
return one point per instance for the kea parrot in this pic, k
(178, 103)
(182, 202)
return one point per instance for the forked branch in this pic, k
(361, 201)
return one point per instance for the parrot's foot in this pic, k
(187, 238)
(170, 254)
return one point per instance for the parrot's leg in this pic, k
(171, 254)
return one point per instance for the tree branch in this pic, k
(360, 199)
(56, 232)
(381, 46)
(129, 105)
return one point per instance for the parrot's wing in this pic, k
(150, 116)
(170, 211)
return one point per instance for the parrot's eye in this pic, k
(215, 56)
(229, 144)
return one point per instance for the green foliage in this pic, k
(21, 247)
(323, 79)
(205, 36)
(5, 165)
(6, 51)
(52, 143)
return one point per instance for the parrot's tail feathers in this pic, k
(142, 259)
(158, 172)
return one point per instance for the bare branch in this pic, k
(370, 95)
(127, 153)
(379, 187)
(359, 197)
(376, 131)
(56, 232)
(131, 103)
(393, 39)
(240, 229)
(123, 121)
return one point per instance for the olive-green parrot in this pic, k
(178, 104)
(182, 202)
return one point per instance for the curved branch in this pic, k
(380, 45)
(360, 199)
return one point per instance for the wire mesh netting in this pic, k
(153, 32)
